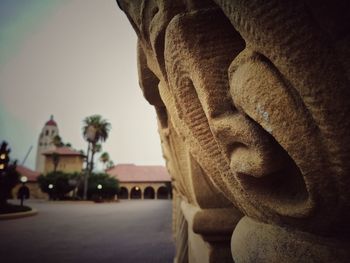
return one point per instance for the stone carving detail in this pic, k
(252, 99)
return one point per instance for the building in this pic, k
(141, 181)
(48, 156)
(49, 131)
(32, 177)
(68, 160)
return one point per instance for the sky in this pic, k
(72, 59)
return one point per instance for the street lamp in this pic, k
(50, 186)
(99, 188)
(24, 179)
(23, 191)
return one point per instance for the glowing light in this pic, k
(24, 179)
(99, 186)
(2, 156)
(2, 166)
(50, 186)
(137, 188)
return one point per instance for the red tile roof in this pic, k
(139, 173)
(63, 151)
(51, 123)
(25, 171)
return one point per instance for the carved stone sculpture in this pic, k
(253, 103)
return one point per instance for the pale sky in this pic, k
(72, 59)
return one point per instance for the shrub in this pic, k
(61, 183)
(8, 180)
(8, 174)
(110, 187)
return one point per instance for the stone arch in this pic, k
(136, 193)
(149, 193)
(123, 193)
(162, 193)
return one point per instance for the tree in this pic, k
(4, 157)
(9, 177)
(55, 160)
(57, 184)
(110, 164)
(57, 141)
(104, 158)
(110, 186)
(95, 129)
(94, 149)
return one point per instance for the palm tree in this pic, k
(95, 149)
(57, 141)
(55, 161)
(95, 129)
(110, 164)
(104, 158)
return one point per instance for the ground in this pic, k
(128, 231)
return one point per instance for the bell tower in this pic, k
(49, 131)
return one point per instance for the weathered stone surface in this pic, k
(253, 241)
(252, 99)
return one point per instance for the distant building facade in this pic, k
(32, 183)
(142, 181)
(69, 160)
(49, 131)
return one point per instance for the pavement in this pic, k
(129, 231)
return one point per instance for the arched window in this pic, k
(135, 193)
(123, 193)
(162, 193)
(148, 193)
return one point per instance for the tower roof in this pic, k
(51, 122)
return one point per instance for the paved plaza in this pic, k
(128, 231)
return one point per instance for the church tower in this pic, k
(49, 131)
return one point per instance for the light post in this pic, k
(50, 186)
(138, 192)
(24, 179)
(23, 191)
(99, 189)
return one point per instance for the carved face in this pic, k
(254, 105)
